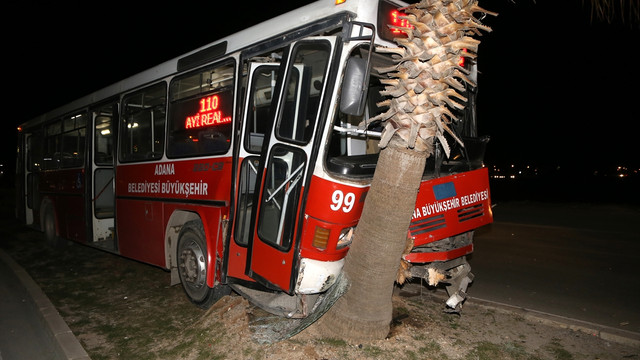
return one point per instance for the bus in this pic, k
(241, 166)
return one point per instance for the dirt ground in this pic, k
(122, 309)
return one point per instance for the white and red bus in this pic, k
(241, 165)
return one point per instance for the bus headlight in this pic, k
(344, 239)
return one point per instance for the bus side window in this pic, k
(52, 146)
(200, 112)
(73, 140)
(142, 125)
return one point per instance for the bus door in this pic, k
(286, 149)
(102, 194)
(262, 82)
(28, 180)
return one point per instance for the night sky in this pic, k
(555, 87)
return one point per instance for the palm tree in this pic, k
(423, 86)
(627, 11)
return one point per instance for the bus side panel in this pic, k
(70, 213)
(141, 230)
(143, 189)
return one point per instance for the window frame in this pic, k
(308, 133)
(123, 132)
(173, 99)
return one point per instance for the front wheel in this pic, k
(193, 266)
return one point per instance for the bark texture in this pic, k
(364, 312)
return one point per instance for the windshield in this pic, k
(353, 147)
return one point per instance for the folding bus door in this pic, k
(28, 185)
(274, 248)
(103, 184)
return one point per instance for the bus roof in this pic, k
(362, 10)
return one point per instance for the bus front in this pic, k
(454, 195)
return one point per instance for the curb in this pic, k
(607, 333)
(68, 345)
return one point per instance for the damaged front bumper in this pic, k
(455, 274)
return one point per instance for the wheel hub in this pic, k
(193, 265)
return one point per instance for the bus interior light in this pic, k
(338, 2)
(321, 238)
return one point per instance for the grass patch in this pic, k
(432, 350)
(333, 342)
(507, 351)
(373, 351)
(557, 351)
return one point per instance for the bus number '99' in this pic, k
(339, 198)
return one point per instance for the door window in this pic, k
(104, 133)
(282, 187)
(264, 82)
(302, 92)
(246, 191)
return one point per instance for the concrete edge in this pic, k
(607, 333)
(69, 346)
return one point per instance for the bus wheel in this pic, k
(192, 266)
(49, 227)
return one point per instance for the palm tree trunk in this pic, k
(364, 312)
(421, 86)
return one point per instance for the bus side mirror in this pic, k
(354, 93)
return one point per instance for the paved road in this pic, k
(30, 326)
(22, 332)
(571, 261)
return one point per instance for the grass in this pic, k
(486, 350)
(432, 349)
(558, 352)
(373, 351)
(333, 342)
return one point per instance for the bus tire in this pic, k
(192, 266)
(49, 228)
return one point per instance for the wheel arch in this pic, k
(172, 232)
(211, 222)
(44, 206)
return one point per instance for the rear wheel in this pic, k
(49, 228)
(193, 266)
